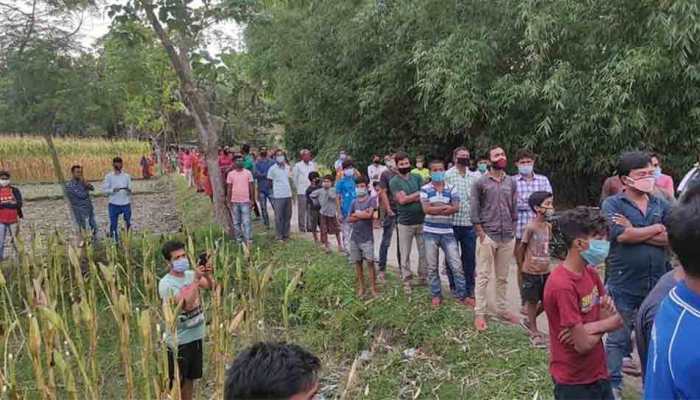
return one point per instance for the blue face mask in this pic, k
(483, 168)
(657, 172)
(181, 264)
(349, 172)
(597, 252)
(525, 170)
(438, 176)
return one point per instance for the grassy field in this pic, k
(392, 347)
(53, 190)
(27, 157)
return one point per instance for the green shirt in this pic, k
(412, 213)
(249, 163)
(190, 324)
(424, 173)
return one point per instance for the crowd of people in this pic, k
(484, 221)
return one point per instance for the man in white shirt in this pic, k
(118, 185)
(375, 170)
(300, 177)
(278, 175)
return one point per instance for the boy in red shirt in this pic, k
(10, 209)
(579, 311)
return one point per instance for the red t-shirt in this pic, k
(571, 299)
(8, 215)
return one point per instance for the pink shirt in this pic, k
(240, 185)
(187, 161)
(665, 183)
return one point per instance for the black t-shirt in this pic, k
(384, 185)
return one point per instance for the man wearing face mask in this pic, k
(279, 175)
(460, 178)
(338, 165)
(300, 177)
(387, 204)
(528, 183)
(638, 256)
(346, 194)
(494, 214)
(482, 167)
(262, 166)
(375, 170)
(405, 187)
(180, 288)
(240, 192)
(10, 210)
(118, 185)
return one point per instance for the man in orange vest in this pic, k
(10, 209)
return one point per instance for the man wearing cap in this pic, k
(117, 185)
(10, 209)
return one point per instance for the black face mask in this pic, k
(263, 154)
(404, 170)
(375, 161)
(463, 161)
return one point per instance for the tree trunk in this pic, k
(58, 171)
(196, 103)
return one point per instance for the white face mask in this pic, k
(4, 182)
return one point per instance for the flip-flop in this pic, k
(538, 342)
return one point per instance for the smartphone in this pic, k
(202, 259)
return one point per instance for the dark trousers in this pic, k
(388, 226)
(466, 237)
(114, 212)
(599, 390)
(86, 219)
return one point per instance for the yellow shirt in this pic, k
(424, 173)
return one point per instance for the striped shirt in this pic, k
(526, 187)
(463, 187)
(438, 224)
(672, 362)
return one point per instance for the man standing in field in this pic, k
(118, 185)
(278, 175)
(10, 210)
(180, 289)
(300, 177)
(264, 187)
(493, 210)
(78, 192)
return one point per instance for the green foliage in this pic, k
(577, 82)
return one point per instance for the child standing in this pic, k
(578, 310)
(312, 205)
(533, 254)
(362, 237)
(326, 197)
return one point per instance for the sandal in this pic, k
(538, 342)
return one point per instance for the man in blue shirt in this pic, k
(264, 187)
(673, 362)
(345, 188)
(637, 257)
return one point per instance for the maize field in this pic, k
(67, 310)
(28, 160)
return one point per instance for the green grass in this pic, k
(452, 360)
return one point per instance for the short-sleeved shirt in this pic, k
(312, 201)
(571, 299)
(240, 181)
(326, 197)
(463, 187)
(384, 180)
(673, 361)
(644, 321)
(536, 237)
(279, 175)
(424, 173)
(345, 188)
(526, 187)
(634, 268)
(375, 171)
(249, 162)
(438, 224)
(190, 323)
(261, 169)
(412, 213)
(362, 229)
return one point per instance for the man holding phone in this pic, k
(117, 185)
(180, 287)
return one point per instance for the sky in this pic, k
(96, 24)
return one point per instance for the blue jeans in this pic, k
(263, 198)
(466, 237)
(85, 219)
(448, 244)
(618, 344)
(6, 232)
(114, 212)
(240, 214)
(388, 226)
